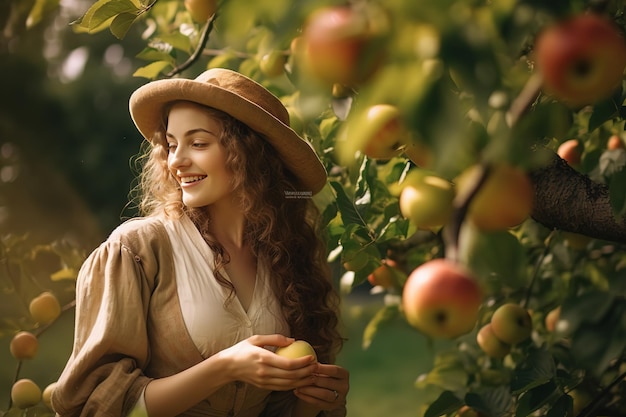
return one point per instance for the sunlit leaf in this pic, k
(152, 70)
(382, 317)
(39, 11)
(121, 24)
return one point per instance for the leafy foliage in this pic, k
(457, 70)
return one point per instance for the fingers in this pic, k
(330, 388)
(270, 340)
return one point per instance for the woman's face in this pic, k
(196, 158)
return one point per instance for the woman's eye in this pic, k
(171, 147)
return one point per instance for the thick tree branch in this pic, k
(570, 201)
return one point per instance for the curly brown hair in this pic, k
(282, 229)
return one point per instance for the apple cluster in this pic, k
(510, 324)
(25, 393)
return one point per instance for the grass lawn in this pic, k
(381, 377)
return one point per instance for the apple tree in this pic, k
(475, 152)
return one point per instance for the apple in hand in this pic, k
(25, 393)
(426, 199)
(505, 199)
(511, 323)
(24, 345)
(581, 59)
(490, 344)
(441, 299)
(297, 349)
(45, 308)
(341, 45)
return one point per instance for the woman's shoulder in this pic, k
(140, 231)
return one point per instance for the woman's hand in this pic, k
(248, 361)
(329, 390)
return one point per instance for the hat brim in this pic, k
(147, 104)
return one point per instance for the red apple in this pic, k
(571, 151)
(419, 154)
(552, 318)
(511, 323)
(615, 142)
(388, 275)
(341, 45)
(581, 59)
(441, 299)
(490, 344)
(505, 199)
(426, 199)
(24, 345)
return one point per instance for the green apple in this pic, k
(383, 133)
(25, 393)
(581, 59)
(426, 199)
(511, 323)
(441, 299)
(490, 344)
(272, 64)
(45, 308)
(24, 345)
(297, 349)
(505, 199)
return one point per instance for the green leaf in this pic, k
(493, 401)
(536, 369)
(382, 316)
(603, 112)
(612, 162)
(563, 407)
(178, 41)
(110, 10)
(347, 209)
(39, 10)
(535, 398)
(445, 404)
(121, 24)
(448, 373)
(152, 70)
(590, 307)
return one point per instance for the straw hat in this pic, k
(242, 98)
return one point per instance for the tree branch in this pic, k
(570, 201)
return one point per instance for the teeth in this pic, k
(187, 180)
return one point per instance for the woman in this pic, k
(179, 311)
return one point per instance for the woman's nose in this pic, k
(178, 158)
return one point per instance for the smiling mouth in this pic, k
(189, 180)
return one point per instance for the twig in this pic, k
(544, 253)
(596, 401)
(204, 37)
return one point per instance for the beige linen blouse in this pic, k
(130, 326)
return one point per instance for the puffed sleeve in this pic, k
(103, 375)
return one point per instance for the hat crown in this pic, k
(246, 88)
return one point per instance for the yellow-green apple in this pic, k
(272, 64)
(45, 308)
(571, 151)
(581, 59)
(426, 199)
(297, 349)
(552, 318)
(341, 45)
(25, 393)
(505, 199)
(24, 345)
(382, 132)
(441, 299)
(615, 142)
(511, 323)
(201, 10)
(46, 395)
(490, 344)
(419, 154)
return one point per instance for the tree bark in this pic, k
(570, 201)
